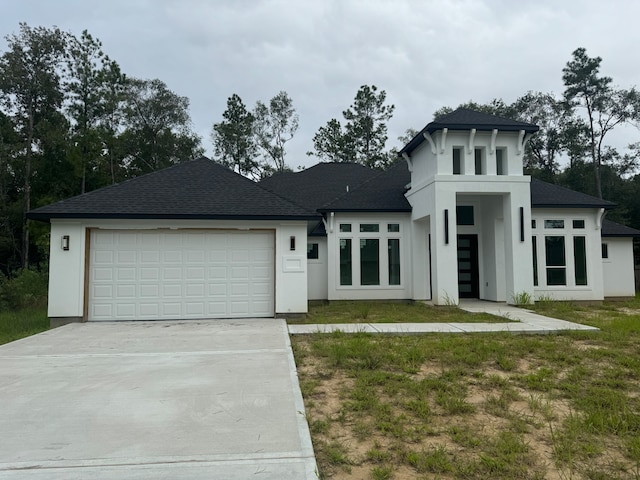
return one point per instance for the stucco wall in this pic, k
(618, 271)
(67, 268)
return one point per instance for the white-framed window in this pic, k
(313, 251)
(371, 255)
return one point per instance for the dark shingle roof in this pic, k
(382, 193)
(318, 185)
(198, 189)
(613, 229)
(465, 119)
(547, 195)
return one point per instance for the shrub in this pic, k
(27, 288)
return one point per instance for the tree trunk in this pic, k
(27, 193)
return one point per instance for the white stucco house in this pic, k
(455, 218)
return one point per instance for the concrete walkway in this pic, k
(192, 400)
(522, 321)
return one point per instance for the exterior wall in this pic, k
(619, 279)
(384, 291)
(318, 278)
(501, 193)
(67, 268)
(594, 289)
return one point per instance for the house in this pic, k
(455, 218)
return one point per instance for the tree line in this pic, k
(71, 121)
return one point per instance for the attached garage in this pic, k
(192, 241)
(173, 274)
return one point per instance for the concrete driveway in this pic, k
(212, 399)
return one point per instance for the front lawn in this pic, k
(390, 312)
(447, 406)
(22, 323)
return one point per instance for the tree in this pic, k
(364, 136)
(605, 107)
(31, 86)
(366, 126)
(330, 143)
(233, 139)
(542, 155)
(157, 127)
(274, 126)
(91, 79)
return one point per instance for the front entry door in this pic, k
(468, 275)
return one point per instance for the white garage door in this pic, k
(146, 275)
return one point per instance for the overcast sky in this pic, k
(426, 54)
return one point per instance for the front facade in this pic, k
(455, 218)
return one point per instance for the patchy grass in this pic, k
(563, 406)
(390, 312)
(22, 323)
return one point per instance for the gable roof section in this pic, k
(548, 195)
(465, 119)
(198, 189)
(613, 229)
(318, 185)
(382, 193)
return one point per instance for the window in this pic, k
(533, 224)
(464, 215)
(479, 161)
(555, 260)
(605, 250)
(369, 227)
(580, 260)
(345, 227)
(578, 224)
(457, 161)
(535, 261)
(501, 157)
(393, 227)
(312, 251)
(393, 247)
(554, 224)
(345, 261)
(369, 261)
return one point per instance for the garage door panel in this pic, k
(126, 310)
(125, 274)
(172, 256)
(103, 274)
(147, 256)
(172, 290)
(180, 274)
(173, 273)
(126, 291)
(149, 291)
(126, 257)
(195, 290)
(149, 310)
(149, 273)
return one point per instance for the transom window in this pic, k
(345, 227)
(464, 215)
(554, 224)
(578, 224)
(369, 227)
